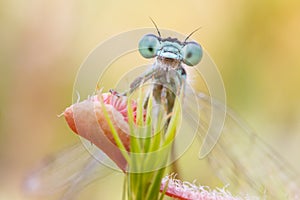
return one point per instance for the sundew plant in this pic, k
(145, 158)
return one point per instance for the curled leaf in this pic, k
(87, 119)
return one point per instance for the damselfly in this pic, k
(238, 156)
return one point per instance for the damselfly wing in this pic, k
(69, 171)
(241, 159)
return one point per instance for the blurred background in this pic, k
(255, 44)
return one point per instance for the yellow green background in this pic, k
(255, 44)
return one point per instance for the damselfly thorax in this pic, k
(167, 72)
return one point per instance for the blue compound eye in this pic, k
(149, 45)
(192, 53)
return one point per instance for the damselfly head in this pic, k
(151, 46)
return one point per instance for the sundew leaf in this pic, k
(146, 165)
(114, 132)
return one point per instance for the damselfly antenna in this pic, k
(191, 34)
(158, 32)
